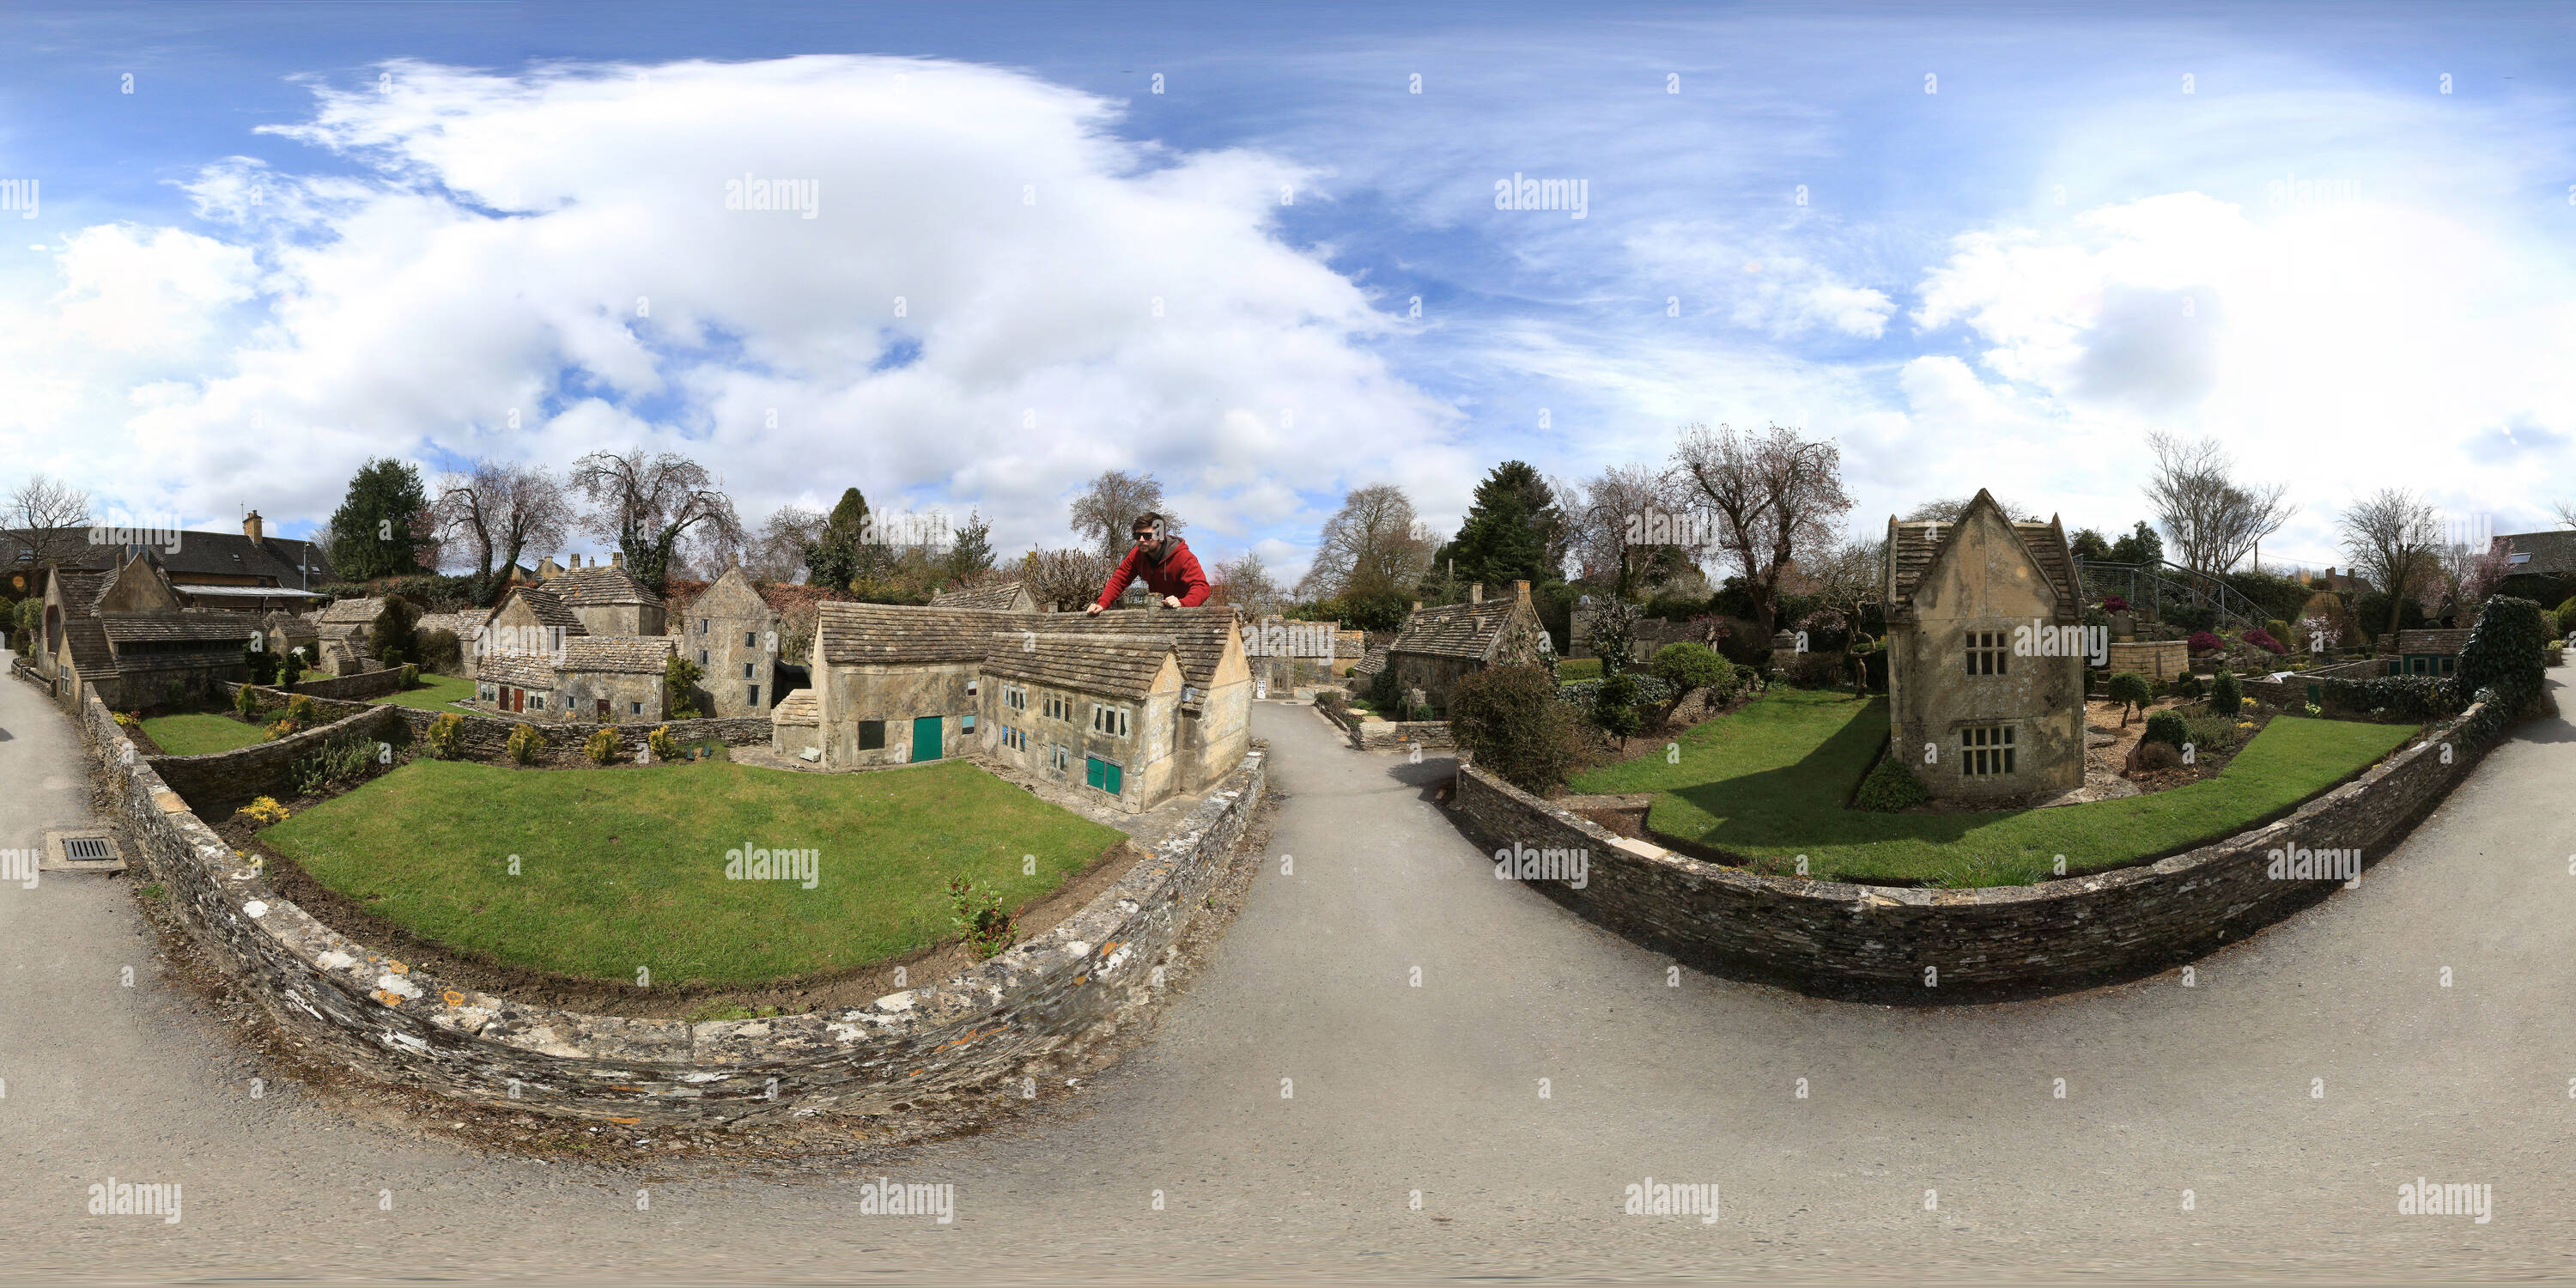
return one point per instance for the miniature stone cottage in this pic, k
(1441, 646)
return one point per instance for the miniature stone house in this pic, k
(2429, 652)
(1985, 682)
(898, 684)
(1441, 646)
(607, 599)
(343, 628)
(732, 634)
(613, 679)
(125, 635)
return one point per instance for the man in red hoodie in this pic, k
(1164, 561)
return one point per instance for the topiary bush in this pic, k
(2226, 695)
(1509, 719)
(1891, 787)
(300, 711)
(2159, 755)
(526, 744)
(2185, 685)
(680, 678)
(2204, 642)
(246, 702)
(601, 746)
(2502, 666)
(410, 676)
(2264, 640)
(447, 735)
(290, 668)
(2168, 728)
(1614, 705)
(2131, 691)
(662, 745)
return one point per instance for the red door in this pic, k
(603, 711)
(518, 699)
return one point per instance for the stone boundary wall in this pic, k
(1370, 734)
(2154, 659)
(222, 780)
(974, 1035)
(365, 684)
(487, 737)
(1838, 939)
(2291, 692)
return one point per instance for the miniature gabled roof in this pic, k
(860, 634)
(355, 610)
(128, 628)
(88, 641)
(81, 588)
(548, 608)
(797, 708)
(1456, 630)
(521, 670)
(599, 586)
(1096, 662)
(1372, 662)
(1001, 594)
(1914, 546)
(623, 654)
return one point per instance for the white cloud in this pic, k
(558, 244)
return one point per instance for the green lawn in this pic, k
(621, 868)
(195, 735)
(1578, 668)
(1770, 780)
(434, 693)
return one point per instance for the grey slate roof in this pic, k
(1372, 663)
(600, 585)
(1456, 630)
(622, 654)
(2553, 554)
(1097, 662)
(359, 611)
(519, 670)
(798, 708)
(549, 610)
(887, 634)
(1916, 544)
(200, 554)
(1002, 595)
(81, 588)
(2433, 641)
(125, 628)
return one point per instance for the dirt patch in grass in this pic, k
(833, 990)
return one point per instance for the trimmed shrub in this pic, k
(2168, 728)
(2226, 696)
(447, 735)
(263, 665)
(2277, 629)
(2159, 755)
(1509, 719)
(442, 652)
(300, 711)
(1815, 670)
(1891, 787)
(2131, 691)
(601, 746)
(262, 812)
(290, 668)
(1614, 705)
(2204, 642)
(662, 744)
(526, 744)
(410, 675)
(276, 731)
(1689, 667)
(2264, 640)
(680, 678)
(2185, 685)
(246, 702)
(394, 637)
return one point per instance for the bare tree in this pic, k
(2566, 512)
(2392, 538)
(1246, 583)
(777, 552)
(1106, 510)
(2463, 575)
(1624, 531)
(499, 511)
(1374, 545)
(1065, 579)
(648, 503)
(1776, 496)
(48, 518)
(1951, 509)
(2212, 521)
(1850, 577)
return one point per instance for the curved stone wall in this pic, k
(975, 1034)
(1932, 946)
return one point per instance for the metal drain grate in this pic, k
(86, 849)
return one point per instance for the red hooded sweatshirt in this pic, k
(1176, 574)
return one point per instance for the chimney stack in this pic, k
(253, 528)
(1476, 593)
(617, 559)
(1520, 591)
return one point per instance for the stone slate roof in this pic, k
(1001, 594)
(2433, 641)
(600, 585)
(1096, 662)
(297, 630)
(2553, 554)
(88, 641)
(1456, 630)
(886, 634)
(128, 628)
(360, 611)
(81, 588)
(519, 670)
(549, 610)
(465, 626)
(798, 708)
(622, 654)
(344, 656)
(1914, 546)
(200, 554)
(1371, 663)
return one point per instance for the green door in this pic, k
(1103, 775)
(925, 737)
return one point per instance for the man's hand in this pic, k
(1171, 601)
(1091, 610)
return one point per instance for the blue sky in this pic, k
(2265, 224)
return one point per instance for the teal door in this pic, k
(1104, 775)
(925, 738)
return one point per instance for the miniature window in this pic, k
(871, 735)
(755, 697)
(746, 670)
(705, 624)
(634, 708)
(751, 639)
(971, 686)
(966, 724)
(702, 657)
(1986, 653)
(1986, 750)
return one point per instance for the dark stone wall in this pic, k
(973, 1037)
(1836, 939)
(487, 736)
(221, 781)
(365, 684)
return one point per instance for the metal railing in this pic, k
(2154, 589)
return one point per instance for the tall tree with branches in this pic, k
(777, 552)
(2212, 521)
(498, 511)
(1775, 495)
(47, 517)
(2392, 538)
(1107, 508)
(1245, 582)
(1611, 529)
(647, 502)
(1375, 546)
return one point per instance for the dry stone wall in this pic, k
(487, 737)
(1934, 946)
(365, 684)
(976, 1035)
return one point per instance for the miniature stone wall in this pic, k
(975, 1035)
(1887, 943)
(2154, 659)
(364, 684)
(487, 736)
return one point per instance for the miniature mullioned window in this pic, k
(1986, 751)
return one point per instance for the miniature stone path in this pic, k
(1438, 1088)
